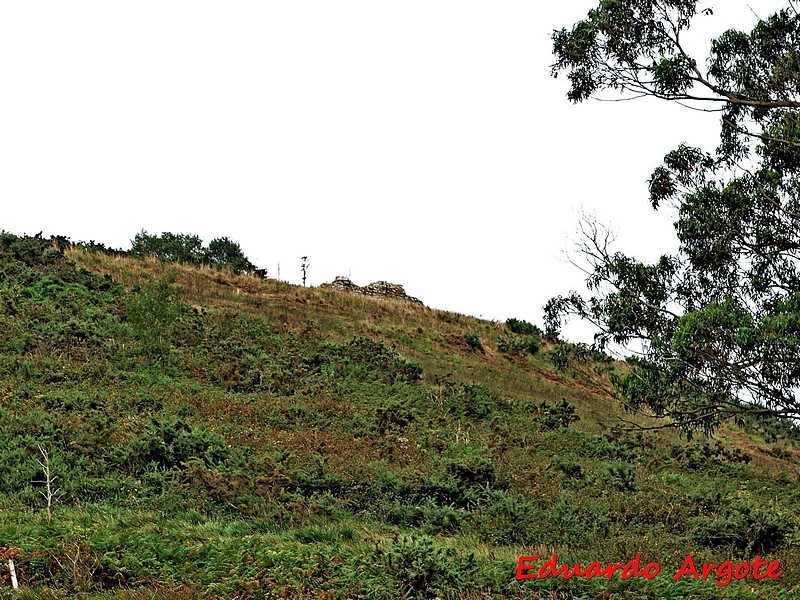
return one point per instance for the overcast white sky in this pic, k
(419, 142)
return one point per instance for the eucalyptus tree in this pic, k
(718, 321)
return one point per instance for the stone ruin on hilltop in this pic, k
(379, 289)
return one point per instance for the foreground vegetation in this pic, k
(218, 435)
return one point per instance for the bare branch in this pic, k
(51, 494)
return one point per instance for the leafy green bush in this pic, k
(317, 478)
(619, 475)
(703, 456)
(745, 527)
(299, 416)
(506, 518)
(461, 480)
(243, 354)
(471, 400)
(153, 313)
(393, 415)
(570, 523)
(569, 466)
(178, 247)
(600, 446)
(423, 569)
(221, 252)
(562, 414)
(442, 519)
(519, 347)
(473, 341)
(366, 359)
(33, 251)
(771, 428)
(224, 252)
(706, 499)
(523, 327)
(169, 444)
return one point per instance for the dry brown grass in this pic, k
(434, 338)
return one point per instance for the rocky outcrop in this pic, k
(380, 289)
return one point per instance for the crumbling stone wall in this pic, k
(381, 289)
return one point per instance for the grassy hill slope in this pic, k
(221, 435)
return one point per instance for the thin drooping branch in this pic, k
(760, 136)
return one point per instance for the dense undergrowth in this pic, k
(214, 435)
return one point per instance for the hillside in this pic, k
(213, 435)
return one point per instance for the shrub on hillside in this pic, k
(506, 518)
(33, 251)
(393, 415)
(522, 327)
(746, 528)
(704, 456)
(462, 480)
(771, 428)
(224, 252)
(365, 359)
(424, 569)
(178, 247)
(473, 341)
(153, 313)
(565, 355)
(221, 252)
(562, 414)
(170, 444)
(519, 346)
(620, 475)
(471, 400)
